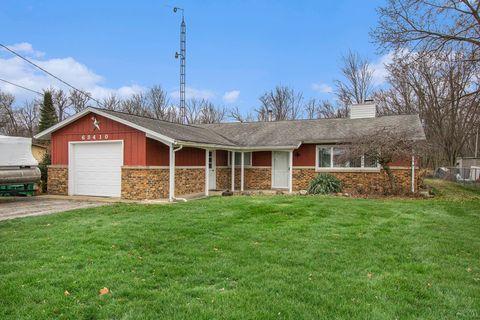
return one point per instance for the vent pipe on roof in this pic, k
(270, 115)
(368, 109)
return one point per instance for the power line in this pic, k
(25, 88)
(50, 74)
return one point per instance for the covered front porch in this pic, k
(248, 170)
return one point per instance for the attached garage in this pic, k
(95, 168)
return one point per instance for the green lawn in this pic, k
(265, 257)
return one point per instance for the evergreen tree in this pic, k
(48, 115)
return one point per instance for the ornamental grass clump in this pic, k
(324, 184)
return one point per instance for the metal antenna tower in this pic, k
(182, 56)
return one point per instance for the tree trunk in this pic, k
(391, 179)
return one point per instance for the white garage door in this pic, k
(96, 169)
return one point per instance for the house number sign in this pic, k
(94, 136)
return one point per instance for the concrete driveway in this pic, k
(17, 207)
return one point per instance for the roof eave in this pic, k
(152, 134)
(235, 148)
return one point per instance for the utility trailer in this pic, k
(19, 172)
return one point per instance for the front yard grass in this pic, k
(246, 258)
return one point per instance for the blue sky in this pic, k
(236, 50)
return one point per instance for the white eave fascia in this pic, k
(149, 133)
(236, 148)
(61, 124)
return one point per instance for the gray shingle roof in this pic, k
(292, 133)
(172, 130)
(277, 133)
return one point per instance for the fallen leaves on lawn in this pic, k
(469, 269)
(104, 291)
(370, 275)
(66, 293)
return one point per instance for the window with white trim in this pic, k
(333, 157)
(247, 159)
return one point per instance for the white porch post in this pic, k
(413, 174)
(171, 186)
(207, 171)
(290, 171)
(241, 170)
(232, 163)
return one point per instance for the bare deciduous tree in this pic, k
(211, 114)
(138, 105)
(284, 103)
(430, 26)
(112, 102)
(61, 102)
(311, 109)
(385, 145)
(237, 115)
(356, 86)
(159, 103)
(193, 107)
(28, 117)
(444, 89)
(8, 117)
(78, 101)
(204, 111)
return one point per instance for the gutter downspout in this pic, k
(172, 174)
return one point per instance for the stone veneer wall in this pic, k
(224, 175)
(147, 183)
(189, 180)
(360, 182)
(256, 178)
(140, 183)
(57, 180)
(144, 183)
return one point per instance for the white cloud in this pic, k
(322, 87)
(193, 93)
(231, 96)
(379, 69)
(26, 48)
(77, 74)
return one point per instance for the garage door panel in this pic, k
(96, 169)
(92, 163)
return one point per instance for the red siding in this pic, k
(190, 157)
(262, 159)
(157, 153)
(134, 141)
(222, 158)
(304, 156)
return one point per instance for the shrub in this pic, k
(325, 183)
(43, 166)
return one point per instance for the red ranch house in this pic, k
(113, 154)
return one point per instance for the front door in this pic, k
(280, 169)
(212, 170)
